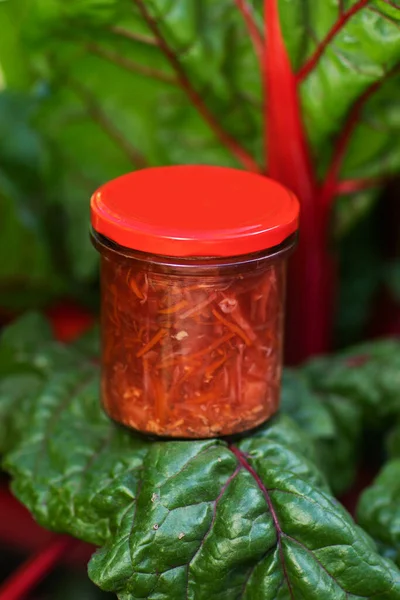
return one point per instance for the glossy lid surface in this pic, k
(194, 211)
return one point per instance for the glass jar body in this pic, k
(191, 348)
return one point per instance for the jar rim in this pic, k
(109, 248)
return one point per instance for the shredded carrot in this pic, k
(234, 328)
(215, 366)
(161, 401)
(174, 392)
(135, 288)
(198, 308)
(173, 309)
(198, 400)
(154, 340)
(172, 361)
(213, 346)
(196, 287)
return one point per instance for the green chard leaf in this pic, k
(347, 57)
(193, 68)
(24, 164)
(333, 422)
(368, 374)
(89, 343)
(378, 510)
(19, 377)
(97, 133)
(393, 441)
(75, 471)
(249, 520)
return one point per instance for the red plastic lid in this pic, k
(195, 211)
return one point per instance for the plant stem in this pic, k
(252, 27)
(22, 581)
(351, 186)
(197, 101)
(130, 65)
(135, 37)
(309, 297)
(330, 185)
(344, 16)
(101, 118)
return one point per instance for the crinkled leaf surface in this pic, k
(300, 402)
(23, 198)
(379, 510)
(342, 51)
(368, 374)
(100, 132)
(332, 421)
(246, 521)
(74, 470)
(89, 343)
(19, 378)
(180, 519)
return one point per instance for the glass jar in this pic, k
(193, 278)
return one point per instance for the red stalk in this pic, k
(252, 27)
(331, 183)
(351, 186)
(344, 16)
(197, 101)
(35, 569)
(309, 313)
(244, 463)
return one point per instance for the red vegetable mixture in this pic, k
(187, 356)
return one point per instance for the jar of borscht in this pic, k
(193, 285)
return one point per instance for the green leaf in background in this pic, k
(362, 275)
(333, 422)
(393, 442)
(392, 278)
(97, 132)
(368, 374)
(89, 343)
(300, 402)
(379, 510)
(204, 519)
(24, 164)
(346, 55)
(184, 86)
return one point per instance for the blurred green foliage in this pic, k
(89, 94)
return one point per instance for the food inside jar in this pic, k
(191, 357)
